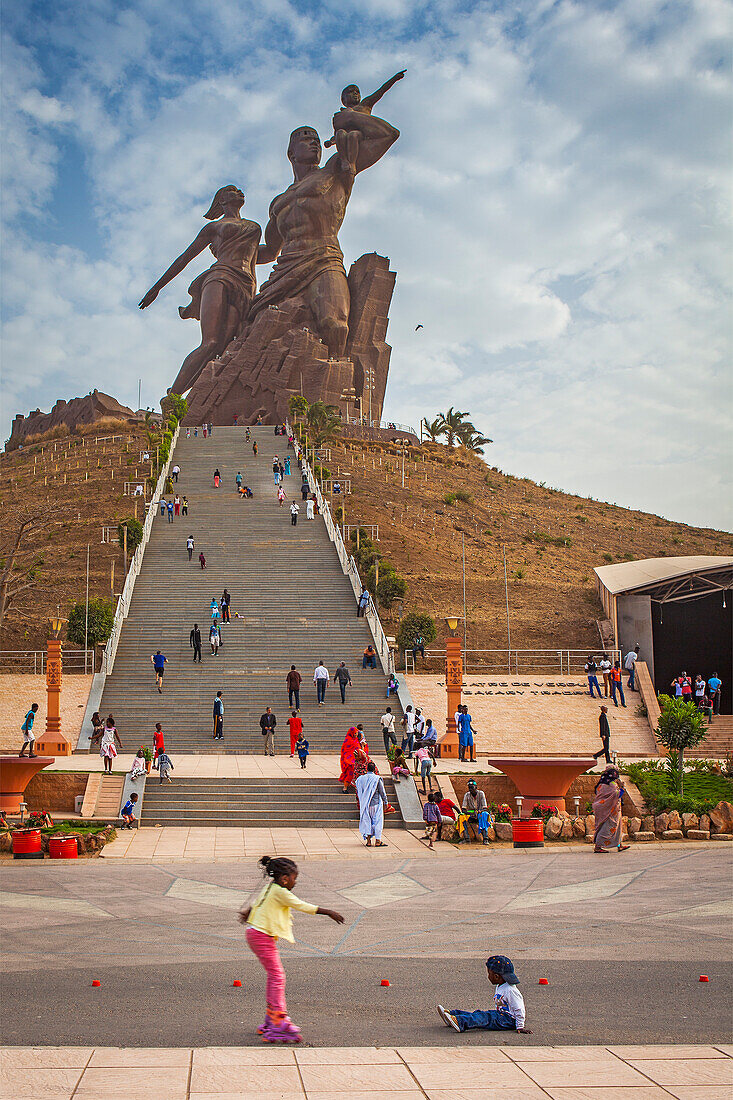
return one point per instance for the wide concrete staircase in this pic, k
(291, 604)
(262, 803)
(718, 742)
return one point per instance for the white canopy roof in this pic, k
(629, 575)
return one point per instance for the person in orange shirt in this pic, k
(296, 728)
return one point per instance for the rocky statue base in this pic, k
(280, 355)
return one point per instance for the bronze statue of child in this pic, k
(355, 119)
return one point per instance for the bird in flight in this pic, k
(418, 326)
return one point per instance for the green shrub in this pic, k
(608, 558)
(391, 587)
(656, 781)
(134, 533)
(180, 405)
(450, 498)
(414, 624)
(101, 620)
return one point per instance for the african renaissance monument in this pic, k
(311, 329)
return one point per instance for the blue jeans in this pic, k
(617, 687)
(593, 683)
(490, 1021)
(321, 689)
(632, 678)
(371, 662)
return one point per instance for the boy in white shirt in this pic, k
(508, 1012)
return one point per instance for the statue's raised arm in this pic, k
(361, 138)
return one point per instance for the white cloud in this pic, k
(555, 210)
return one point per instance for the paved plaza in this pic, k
(513, 1072)
(621, 941)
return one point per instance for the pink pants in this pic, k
(265, 948)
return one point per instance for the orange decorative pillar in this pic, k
(54, 741)
(453, 688)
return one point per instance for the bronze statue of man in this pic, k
(220, 296)
(302, 232)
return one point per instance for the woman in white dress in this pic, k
(310, 508)
(108, 748)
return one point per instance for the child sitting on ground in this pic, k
(165, 764)
(301, 746)
(399, 766)
(128, 812)
(508, 1013)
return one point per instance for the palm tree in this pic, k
(472, 440)
(323, 423)
(433, 428)
(297, 406)
(451, 424)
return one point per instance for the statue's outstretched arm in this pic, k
(270, 250)
(194, 249)
(375, 97)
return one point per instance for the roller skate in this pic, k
(283, 1032)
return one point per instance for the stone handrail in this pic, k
(649, 698)
(348, 564)
(123, 604)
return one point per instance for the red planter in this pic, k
(27, 844)
(63, 847)
(527, 832)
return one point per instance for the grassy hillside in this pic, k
(76, 482)
(553, 541)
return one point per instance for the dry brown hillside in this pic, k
(76, 481)
(553, 542)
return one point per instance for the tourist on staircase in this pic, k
(320, 679)
(190, 544)
(224, 603)
(158, 662)
(369, 658)
(294, 680)
(296, 728)
(218, 717)
(268, 721)
(343, 679)
(349, 748)
(217, 478)
(294, 509)
(388, 727)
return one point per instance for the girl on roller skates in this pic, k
(267, 920)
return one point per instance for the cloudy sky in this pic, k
(556, 210)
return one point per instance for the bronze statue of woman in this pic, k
(220, 297)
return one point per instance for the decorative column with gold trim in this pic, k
(454, 690)
(54, 742)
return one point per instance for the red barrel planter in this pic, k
(63, 847)
(527, 832)
(27, 844)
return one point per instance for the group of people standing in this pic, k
(706, 693)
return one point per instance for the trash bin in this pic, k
(27, 844)
(63, 846)
(527, 832)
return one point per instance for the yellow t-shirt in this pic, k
(271, 912)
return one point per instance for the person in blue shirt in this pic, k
(158, 662)
(302, 746)
(465, 735)
(128, 812)
(170, 511)
(714, 686)
(29, 736)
